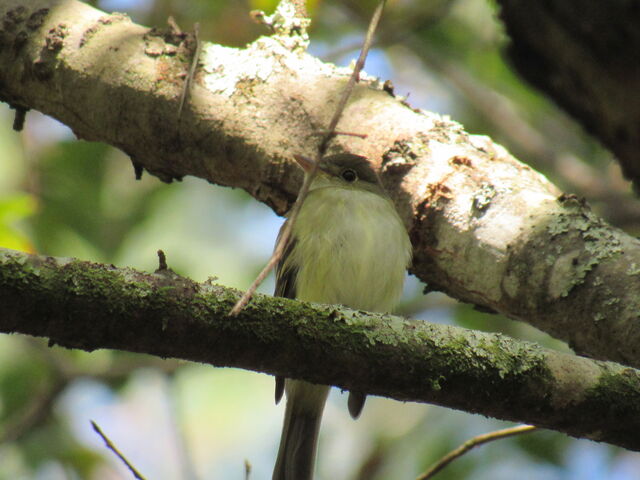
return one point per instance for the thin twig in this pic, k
(355, 76)
(302, 194)
(174, 25)
(115, 450)
(336, 133)
(186, 87)
(471, 443)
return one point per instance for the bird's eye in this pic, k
(349, 175)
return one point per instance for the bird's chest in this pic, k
(350, 251)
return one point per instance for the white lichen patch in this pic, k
(535, 199)
(634, 269)
(482, 198)
(484, 209)
(511, 215)
(289, 26)
(560, 224)
(564, 274)
(599, 243)
(226, 66)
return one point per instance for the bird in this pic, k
(348, 246)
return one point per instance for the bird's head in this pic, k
(344, 170)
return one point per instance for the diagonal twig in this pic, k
(322, 148)
(186, 87)
(115, 450)
(355, 77)
(471, 443)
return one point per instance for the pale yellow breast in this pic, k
(352, 249)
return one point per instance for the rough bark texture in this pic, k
(584, 55)
(485, 228)
(88, 306)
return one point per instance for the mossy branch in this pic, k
(485, 228)
(85, 305)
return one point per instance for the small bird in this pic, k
(348, 246)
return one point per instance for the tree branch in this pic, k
(88, 306)
(584, 55)
(485, 228)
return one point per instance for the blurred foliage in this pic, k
(74, 170)
(13, 209)
(64, 197)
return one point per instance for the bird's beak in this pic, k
(305, 162)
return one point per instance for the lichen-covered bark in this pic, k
(485, 228)
(584, 55)
(88, 306)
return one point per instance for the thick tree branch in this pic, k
(88, 306)
(584, 55)
(485, 227)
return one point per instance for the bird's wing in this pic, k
(285, 287)
(286, 273)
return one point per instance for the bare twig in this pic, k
(18, 120)
(162, 261)
(174, 25)
(322, 148)
(115, 450)
(474, 442)
(186, 87)
(355, 76)
(363, 136)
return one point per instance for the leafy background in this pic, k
(179, 420)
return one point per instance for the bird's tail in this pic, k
(297, 452)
